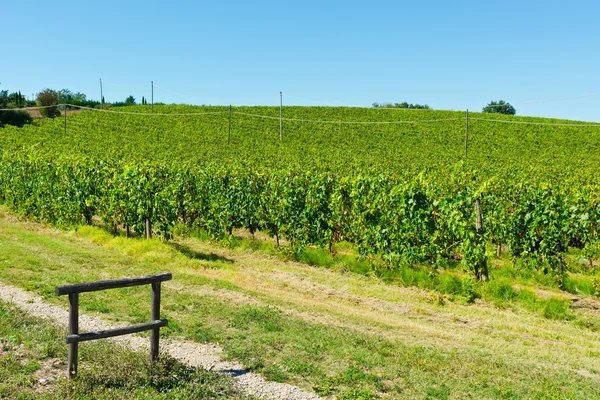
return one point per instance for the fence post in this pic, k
(73, 330)
(229, 127)
(155, 316)
(467, 133)
(280, 116)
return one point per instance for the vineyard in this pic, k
(397, 184)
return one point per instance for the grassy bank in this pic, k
(329, 330)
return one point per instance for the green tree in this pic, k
(10, 117)
(48, 98)
(3, 98)
(130, 101)
(500, 107)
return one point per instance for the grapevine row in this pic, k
(389, 219)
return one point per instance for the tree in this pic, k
(10, 117)
(48, 98)
(3, 98)
(130, 101)
(500, 107)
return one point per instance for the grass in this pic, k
(32, 349)
(329, 330)
(450, 282)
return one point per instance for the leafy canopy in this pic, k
(500, 107)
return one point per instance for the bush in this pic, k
(500, 107)
(16, 118)
(47, 98)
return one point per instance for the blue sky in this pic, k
(450, 55)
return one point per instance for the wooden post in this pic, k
(65, 111)
(152, 83)
(561, 264)
(479, 222)
(482, 269)
(148, 227)
(280, 116)
(229, 127)
(73, 330)
(155, 316)
(101, 96)
(467, 133)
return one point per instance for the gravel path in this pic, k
(206, 356)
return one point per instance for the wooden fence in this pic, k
(74, 337)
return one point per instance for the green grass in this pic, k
(450, 282)
(326, 329)
(32, 349)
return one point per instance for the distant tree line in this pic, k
(77, 99)
(14, 104)
(402, 105)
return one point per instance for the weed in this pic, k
(557, 309)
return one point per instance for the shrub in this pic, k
(47, 98)
(16, 118)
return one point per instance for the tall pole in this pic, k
(65, 112)
(101, 95)
(229, 127)
(280, 116)
(467, 133)
(152, 82)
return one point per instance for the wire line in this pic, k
(147, 114)
(532, 123)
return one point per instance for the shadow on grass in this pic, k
(196, 255)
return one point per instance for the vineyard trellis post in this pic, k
(482, 270)
(65, 112)
(280, 116)
(101, 96)
(467, 133)
(229, 126)
(148, 225)
(152, 84)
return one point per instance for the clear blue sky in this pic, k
(448, 54)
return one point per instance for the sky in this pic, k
(541, 56)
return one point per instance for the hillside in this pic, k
(349, 140)
(335, 333)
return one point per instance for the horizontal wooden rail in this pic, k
(74, 337)
(84, 337)
(112, 284)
